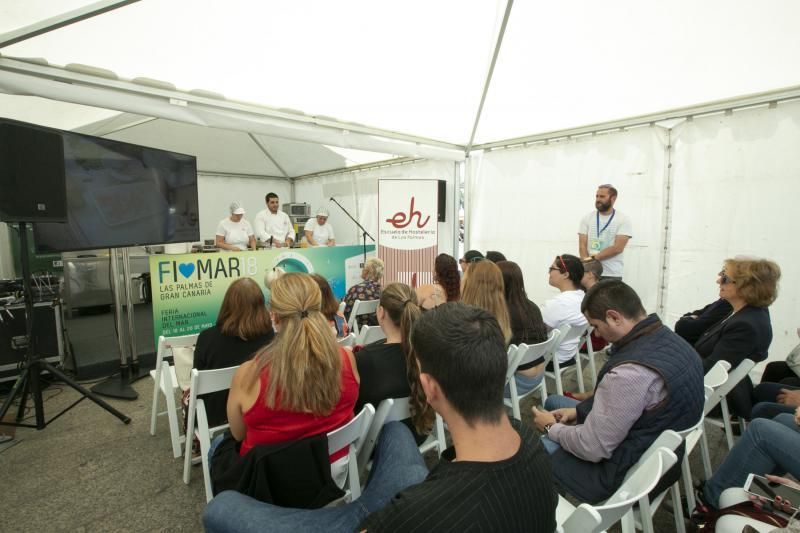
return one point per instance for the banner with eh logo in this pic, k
(408, 233)
(188, 289)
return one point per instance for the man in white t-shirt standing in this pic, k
(604, 233)
(318, 231)
(273, 226)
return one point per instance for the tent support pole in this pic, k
(268, 156)
(488, 81)
(666, 229)
(59, 21)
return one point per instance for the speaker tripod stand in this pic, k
(28, 383)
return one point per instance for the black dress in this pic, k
(215, 350)
(528, 328)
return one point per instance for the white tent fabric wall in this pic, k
(358, 192)
(528, 202)
(216, 194)
(736, 184)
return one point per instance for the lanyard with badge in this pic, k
(596, 244)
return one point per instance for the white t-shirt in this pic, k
(235, 233)
(601, 239)
(277, 226)
(320, 234)
(565, 309)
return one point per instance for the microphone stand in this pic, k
(364, 234)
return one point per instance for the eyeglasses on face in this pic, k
(724, 279)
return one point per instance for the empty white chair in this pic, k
(352, 434)
(361, 307)
(691, 437)
(369, 334)
(641, 480)
(349, 340)
(391, 410)
(521, 355)
(734, 377)
(203, 382)
(568, 334)
(165, 382)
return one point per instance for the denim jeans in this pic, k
(397, 465)
(525, 384)
(552, 403)
(765, 397)
(766, 447)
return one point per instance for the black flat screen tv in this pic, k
(121, 194)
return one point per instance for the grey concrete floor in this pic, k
(88, 471)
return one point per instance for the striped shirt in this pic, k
(516, 494)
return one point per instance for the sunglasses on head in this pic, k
(563, 264)
(724, 279)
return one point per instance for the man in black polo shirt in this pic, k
(497, 475)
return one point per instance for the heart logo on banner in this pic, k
(187, 269)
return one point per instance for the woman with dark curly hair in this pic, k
(446, 286)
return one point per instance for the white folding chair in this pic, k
(520, 355)
(589, 356)
(353, 435)
(369, 334)
(203, 382)
(165, 382)
(734, 377)
(361, 307)
(643, 514)
(641, 480)
(568, 333)
(691, 437)
(395, 409)
(349, 340)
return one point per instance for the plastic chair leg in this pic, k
(579, 372)
(687, 484)
(156, 392)
(706, 455)
(677, 513)
(726, 421)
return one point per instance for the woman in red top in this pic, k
(301, 384)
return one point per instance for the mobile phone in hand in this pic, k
(764, 488)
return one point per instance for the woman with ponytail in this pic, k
(388, 368)
(301, 384)
(446, 286)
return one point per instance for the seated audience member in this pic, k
(470, 257)
(592, 273)
(367, 290)
(388, 368)
(694, 323)
(493, 466)
(299, 385)
(243, 327)
(527, 325)
(565, 274)
(766, 447)
(785, 372)
(495, 257)
(271, 275)
(330, 308)
(446, 286)
(652, 382)
(483, 287)
(750, 286)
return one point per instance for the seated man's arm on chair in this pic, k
(621, 397)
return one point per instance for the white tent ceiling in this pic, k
(412, 70)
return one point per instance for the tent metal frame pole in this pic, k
(458, 173)
(268, 155)
(720, 106)
(221, 174)
(363, 167)
(488, 82)
(59, 21)
(666, 231)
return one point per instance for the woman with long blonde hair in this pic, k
(301, 384)
(484, 288)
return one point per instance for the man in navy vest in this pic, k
(653, 381)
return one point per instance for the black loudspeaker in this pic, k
(13, 327)
(31, 174)
(442, 211)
